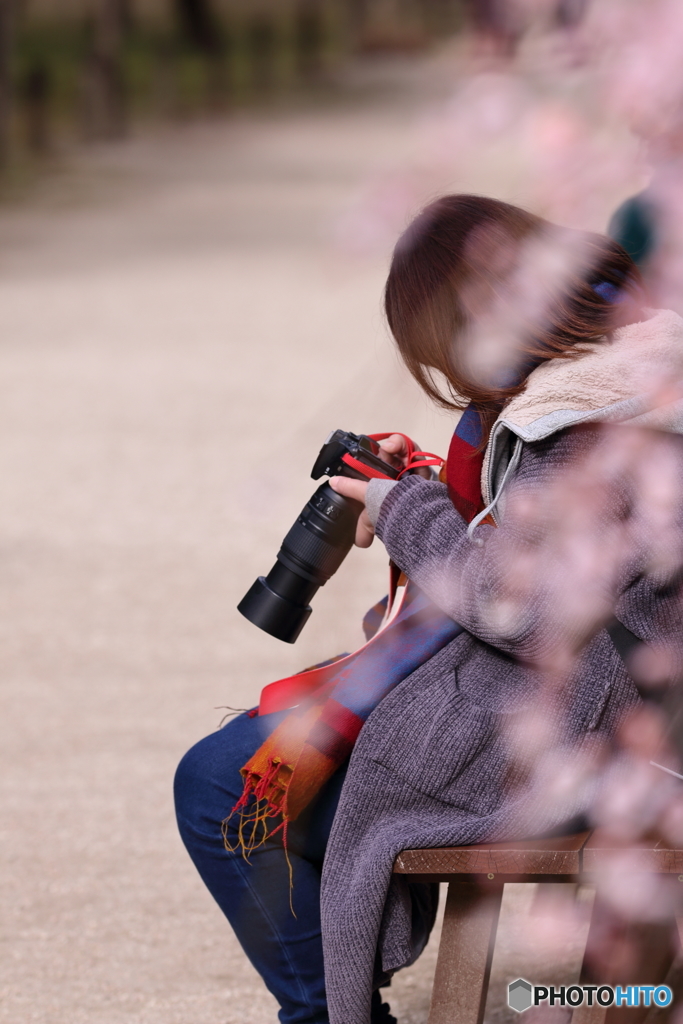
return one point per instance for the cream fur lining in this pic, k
(636, 377)
(637, 361)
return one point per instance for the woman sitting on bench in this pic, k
(508, 683)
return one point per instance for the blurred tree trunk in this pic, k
(309, 38)
(357, 14)
(386, 23)
(106, 99)
(205, 32)
(262, 42)
(443, 15)
(34, 90)
(199, 25)
(7, 26)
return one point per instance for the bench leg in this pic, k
(624, 953)
(464, 963)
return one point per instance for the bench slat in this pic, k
(560, 856)
(658, 857)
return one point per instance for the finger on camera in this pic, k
(393, 449)
(365, 533)
(349, 488)
(394, 443)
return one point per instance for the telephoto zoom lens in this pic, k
(312, 551)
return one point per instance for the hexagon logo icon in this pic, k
(519, 995)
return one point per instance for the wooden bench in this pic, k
(476, 876)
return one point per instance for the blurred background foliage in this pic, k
(90, 69)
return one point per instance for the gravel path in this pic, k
(178, 333)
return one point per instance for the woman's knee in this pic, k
(191, 786)
(207, 782)
(192, 776)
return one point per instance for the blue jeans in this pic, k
(254, 896)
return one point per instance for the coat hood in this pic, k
(618, 379)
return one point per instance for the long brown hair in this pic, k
(461, 243)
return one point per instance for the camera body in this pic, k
(317, 543)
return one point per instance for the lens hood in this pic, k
(272, 613)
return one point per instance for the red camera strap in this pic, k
(416, 459)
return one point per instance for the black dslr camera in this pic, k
(317, 544)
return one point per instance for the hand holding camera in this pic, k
(394, 450)
(324, 532)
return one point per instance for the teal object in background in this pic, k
(634, 226)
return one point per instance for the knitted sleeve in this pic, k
(502, 588)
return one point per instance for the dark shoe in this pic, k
(380, 1012)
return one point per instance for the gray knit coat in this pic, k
(430, 767)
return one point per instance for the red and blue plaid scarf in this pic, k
(331, 702)
(464, 464)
